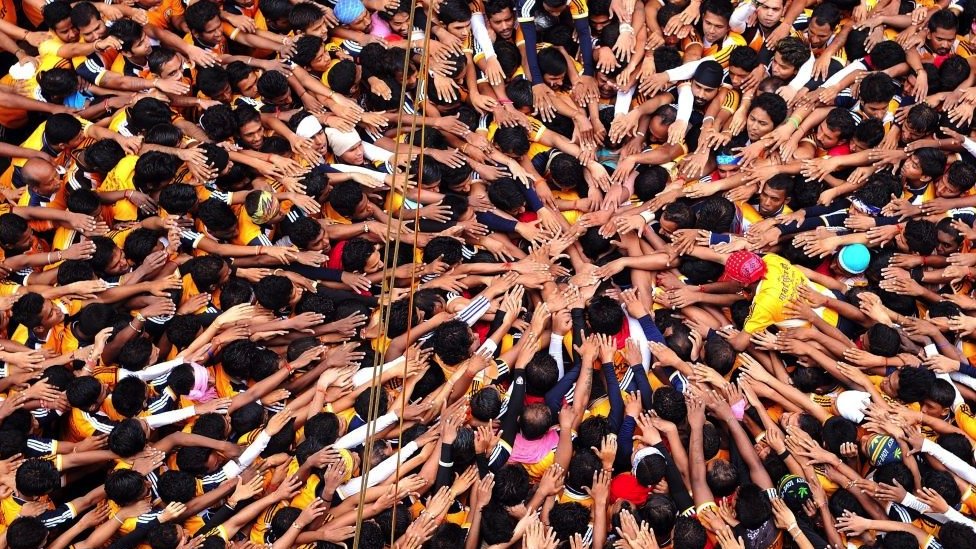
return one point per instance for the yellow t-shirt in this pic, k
(780, 286)
(120, 179)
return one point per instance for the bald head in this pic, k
(41, 176)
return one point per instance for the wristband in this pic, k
(647, 216)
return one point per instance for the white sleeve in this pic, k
(152, 372)
(372, 152)
(168, 418)
(803, 74)
(379, 473)
(955, 465)
(346, 168)
(474, 310)
(953, 515)
(841, 74)
(233, 468)
(480, 33)
(556, 352)
(686, 71)
(364, 376)
(740, 17)
(913, 502)
(624, 99)
(358, 435)
(969, 145)
(686, 103)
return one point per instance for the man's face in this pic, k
(50, 186)
(554, 81)
(940, 41)
(944, 189)
(727, 170)
(737, 75)
(66, 31)
(826, 137)
(758, 124)
(252, 135)
(94, 30)
(461, 29)
(597, 22)
(141, 48)
(172, 69)
(769, 13)
(909, 134)
(911, 169)
(771, 201)
(857, 145)
(362, 23)
(876, 111)
(658, 130)
(780, 68)
(374, 263)
(212, 34)
(319, 28)
(51, 315)
(714, 27)
(703, 94)
(606, 85)
(948, 244)
(503, 23)
(818, 35)
(249, 85)
(118, 264)
(400, 23)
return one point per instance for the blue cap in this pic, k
(854, 258)
(347, 11)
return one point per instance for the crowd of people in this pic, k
(552, 274)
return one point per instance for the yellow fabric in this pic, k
(120, 179)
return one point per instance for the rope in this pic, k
(389, 279)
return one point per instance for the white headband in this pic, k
(641, 454)
(308, 127)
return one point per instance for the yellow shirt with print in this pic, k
(780, 286)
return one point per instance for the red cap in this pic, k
(744, 267)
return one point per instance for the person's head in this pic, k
(868, 134)
(920, 236)
(456, 17)
(823, 22)
(769, 13)
(909, 384)
(715, 20)
(57, 18)
(135, 42)
(924, 165)
(836, 129)
(958, 180)
(453, 342)
(361, 256)
(661, 120)
(767, 111)
(63, 132)
(876, 91)
(922, 122)
(26, 533)
(791, 53)
(950, 238)
(943, 26)
(775, 194)
(742, 61)
(706, 82)
(309, 18)
(203, 20)
(938, 403)
(88, 21)
(953, 72)
(689, 533)
(501, 17)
